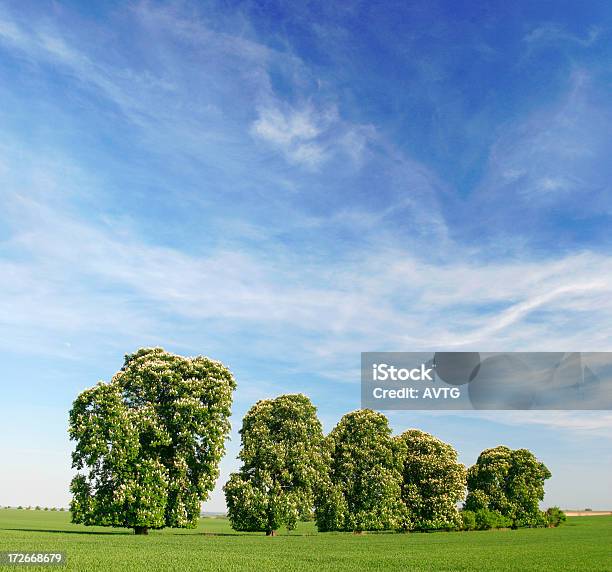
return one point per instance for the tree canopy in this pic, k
(283, 462)
(510, 482)
(364, 479)
(148, 444)
(433, 481)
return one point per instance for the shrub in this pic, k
(468, 520)
(487, 519)
(510, 482)
(554, 516)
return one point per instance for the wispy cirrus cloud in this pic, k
(595, 422)
(41, 43)
(549, 168)
(358, 309)
(553, 33)
(579, 423)
(383, 298)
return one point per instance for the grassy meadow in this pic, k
(584, 543)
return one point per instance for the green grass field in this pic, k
(584, 543)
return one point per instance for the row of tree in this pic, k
(361, 478)
(53, 509)
(149, 443)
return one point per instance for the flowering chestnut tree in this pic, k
(510, 482)
(433, 481)
(283, 462)
(148, 444)
(364, 480)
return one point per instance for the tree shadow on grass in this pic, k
(221, 534)
(248, 534)
(98, 532)
(131, 533)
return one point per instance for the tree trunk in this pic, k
(141, 530)
(270, 532)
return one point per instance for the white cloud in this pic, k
(552, 33)
(592, 422)
(294, 133)
(577, 423)
(309, 136)
(285, 129)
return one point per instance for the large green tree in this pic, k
(510, 482)
(283, 463)
(433, 481)
(148, 444)
(364, 480)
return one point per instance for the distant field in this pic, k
(588, 512)
(582, 544)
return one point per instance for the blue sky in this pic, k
(282, 186)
